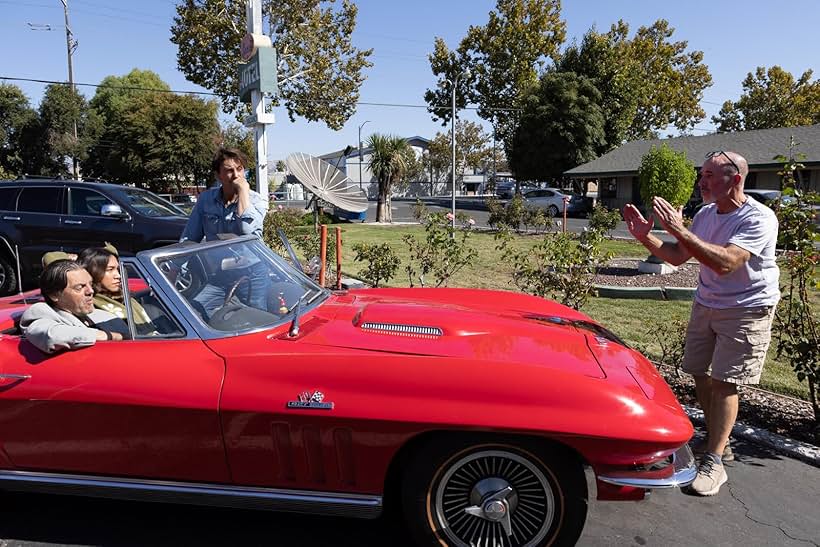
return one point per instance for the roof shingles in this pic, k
(759, 147)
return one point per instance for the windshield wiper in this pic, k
(293, 332)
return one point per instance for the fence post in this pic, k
(323, 255)
(338, 258)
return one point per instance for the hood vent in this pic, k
(407, 330)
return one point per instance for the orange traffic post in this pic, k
(323, 255)
(338, 258)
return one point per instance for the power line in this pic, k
(211, 94)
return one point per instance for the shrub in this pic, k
(604, 220)
(444, 250)
(382, 262)
(796, 326)
(668, 174)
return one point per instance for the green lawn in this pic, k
(632, 320)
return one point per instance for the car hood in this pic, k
(458, 323)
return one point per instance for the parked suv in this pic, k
(37, 216)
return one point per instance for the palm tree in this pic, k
(389, 161)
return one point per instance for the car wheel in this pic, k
(462, 494)
(552, 211)
(8, 277)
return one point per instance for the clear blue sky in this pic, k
(114, 37)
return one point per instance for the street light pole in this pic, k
(70, 44)
(360, 153)
(454, 84)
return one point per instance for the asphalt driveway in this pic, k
(769, 500)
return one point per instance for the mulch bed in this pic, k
(623, 272)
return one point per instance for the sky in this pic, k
(114, 37)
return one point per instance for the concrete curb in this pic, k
(649, 293)
(789, 447)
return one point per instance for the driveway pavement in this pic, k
(769, 500)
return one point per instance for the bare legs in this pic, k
(719, 403)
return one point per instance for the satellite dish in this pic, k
(326, 182)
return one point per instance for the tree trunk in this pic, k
(382, 209)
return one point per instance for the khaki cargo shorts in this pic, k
(731, 342)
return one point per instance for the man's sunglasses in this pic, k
(715, 153)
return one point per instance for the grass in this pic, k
(632, 320)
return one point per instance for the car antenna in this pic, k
(19, 273)
(293, 332)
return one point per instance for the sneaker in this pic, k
(711, 476)
(699, 449)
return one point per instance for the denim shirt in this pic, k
(211, 216)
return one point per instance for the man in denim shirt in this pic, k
(230, 208)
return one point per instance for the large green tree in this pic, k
(561, 126)
(647, 82)
(15, 115)
(320, 71)
(504, 58)
(114, 98)
(772, 98)
(390, 160)
(60, 109)
(167, 141)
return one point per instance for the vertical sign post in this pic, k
(252, 77)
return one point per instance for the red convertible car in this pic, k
(472, 413)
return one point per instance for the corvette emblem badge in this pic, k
(313, 400)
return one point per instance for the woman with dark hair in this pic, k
(104, 267)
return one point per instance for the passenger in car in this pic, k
(64, 320)
(104, 267)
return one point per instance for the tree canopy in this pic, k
(320, 71)
(772, 98)
(647, 82)
(504, 58)
(561, 126)
(15, 116)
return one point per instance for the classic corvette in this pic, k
(474, 414)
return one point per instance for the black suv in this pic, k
(37, 216)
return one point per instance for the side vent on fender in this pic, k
(407, 330)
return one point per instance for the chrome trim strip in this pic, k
(685, 467)
(218, 495)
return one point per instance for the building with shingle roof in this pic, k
(616, 172)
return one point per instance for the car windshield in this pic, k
(150, 205)
(239, 286)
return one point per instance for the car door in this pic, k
(140, 408)
(36, 224)
(84, 226)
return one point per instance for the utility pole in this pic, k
(71, 44)
(454, 84)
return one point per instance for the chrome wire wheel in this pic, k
(494, 498)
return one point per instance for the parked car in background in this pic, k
(505, 189)
(185, 202)
(770, 198)
(474, 414)
(37, 216)
(552, 201)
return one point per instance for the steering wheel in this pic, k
(236, 284)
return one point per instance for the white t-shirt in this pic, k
(753, 227)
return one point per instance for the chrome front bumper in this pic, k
(684, 466)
